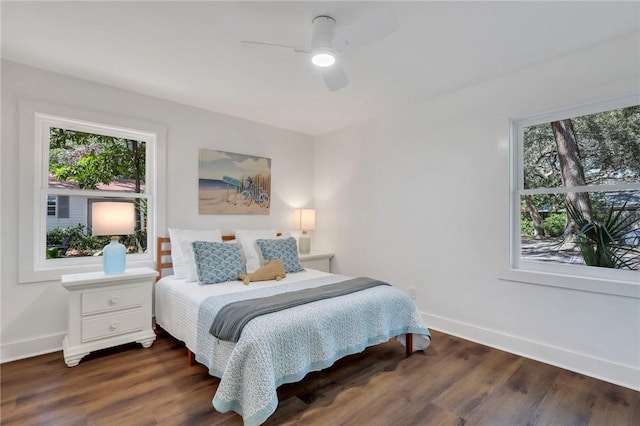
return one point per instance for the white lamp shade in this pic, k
(304, 219)
(112, 218)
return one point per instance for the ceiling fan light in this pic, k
(323, 58)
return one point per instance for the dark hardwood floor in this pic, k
(454, 382)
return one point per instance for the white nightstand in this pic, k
(108, 310)
(316, 260)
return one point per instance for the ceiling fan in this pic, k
(327, 42)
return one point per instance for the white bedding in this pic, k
(269, 352)
(178, 301)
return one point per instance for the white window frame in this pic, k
(579, 277)
(35, 121)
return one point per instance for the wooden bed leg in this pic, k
(409, 343)
(191, 357)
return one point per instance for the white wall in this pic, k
(420, 197)
(34, 315)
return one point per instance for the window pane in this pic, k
(595, 149)
(608, 234)
(51, 205)
(72, 237)
(79, 160)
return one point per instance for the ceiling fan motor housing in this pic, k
(323, 33)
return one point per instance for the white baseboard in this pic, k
(33, 347)
(618, 374)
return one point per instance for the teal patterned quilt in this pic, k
(282, 347)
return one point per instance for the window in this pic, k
(67, 162)
(58, 206)
(575, 197)
(82, 167)
(83, 163)
(51, 205)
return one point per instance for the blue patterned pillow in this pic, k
(217, 262)
(284, 249)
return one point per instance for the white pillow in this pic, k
(178, 249)
(247, 240)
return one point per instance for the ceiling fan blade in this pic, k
(262, 43)
(372, 26)
(335, 77)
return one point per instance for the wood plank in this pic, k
(454, 382)
(615, 405)
(467, 393)
(516, 402)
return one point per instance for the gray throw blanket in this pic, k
(231, 319)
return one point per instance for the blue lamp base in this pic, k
(114, 257)
(304, 243)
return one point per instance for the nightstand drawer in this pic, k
(321, 265)
(112, 325)
(112, 299)
(316, 260)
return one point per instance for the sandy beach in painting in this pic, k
(223, 201)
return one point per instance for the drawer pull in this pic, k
(114, 300)
(114, 325)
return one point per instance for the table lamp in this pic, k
(305, 220)
(113, 218)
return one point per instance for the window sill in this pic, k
(627, 286)
(53, 273)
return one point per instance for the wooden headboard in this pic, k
(163, 248)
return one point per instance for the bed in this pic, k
(279, 347)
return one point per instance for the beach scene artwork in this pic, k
(230, 183)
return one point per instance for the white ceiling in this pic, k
(190, 52)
